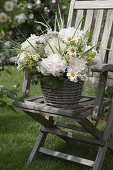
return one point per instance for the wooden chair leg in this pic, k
(39, 143)
(89, 127)
(106, 137)
(110, 146)
(100, 157)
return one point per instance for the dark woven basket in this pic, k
(69, 93)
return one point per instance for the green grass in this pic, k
(18, 133)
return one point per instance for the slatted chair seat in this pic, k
(96, 16)
(76, 111)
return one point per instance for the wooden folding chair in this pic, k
(97, 16)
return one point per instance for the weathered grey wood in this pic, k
(93, 5)
(70, 126)
(100, 157)
(106, 136)
(102, 68)
(110, 57)
(26, 83)
(111, 146)
(67, 157)
(109, 125)
(91, 128)
(79, 18)
(71, 11)
(110, 60)
(88, 20)
(97, 111)
(70, 135)
(45, 120)
(39, 143)
(75, 114)
(97, 26)
(107, 30)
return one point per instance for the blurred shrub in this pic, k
(23, 14)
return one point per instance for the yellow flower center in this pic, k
(8, 6)
(67, 57)
(72, 73)
(68, 38)
(72, 50)
(3, 17)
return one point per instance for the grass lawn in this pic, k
(18, 133)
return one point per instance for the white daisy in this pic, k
(67, 34)
(72, 50)
(72, 75)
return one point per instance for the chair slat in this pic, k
(88, 21)
(71, 11)
(97, 26)
(110, 60)
(110, 57)
(93, 5)
(79, 18)
(106, 34)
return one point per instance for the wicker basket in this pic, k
(69, 93)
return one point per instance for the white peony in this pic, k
(53, 64)
(30, 44)
(55, 45)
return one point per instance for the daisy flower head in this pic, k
(72, 50)
(78, 64)
(68, 57)
(72, 75)
(67, 34)
(9, 6)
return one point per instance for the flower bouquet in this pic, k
(61, 60)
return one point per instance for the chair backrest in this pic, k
(96, 16)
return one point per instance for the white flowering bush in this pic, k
(22, 15)
(65, 54)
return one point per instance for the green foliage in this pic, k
(54, 82)
(109, 92)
